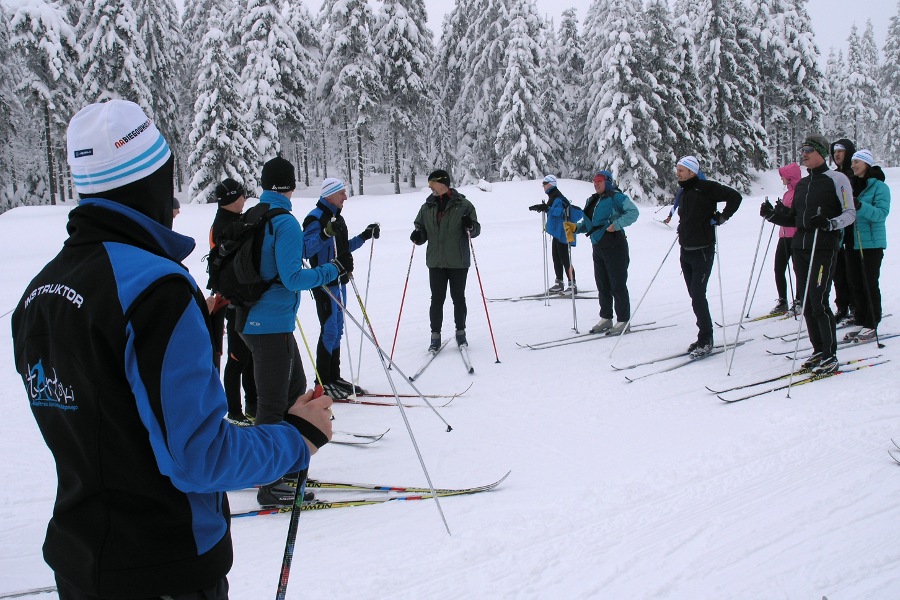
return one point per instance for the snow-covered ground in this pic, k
(652, 489)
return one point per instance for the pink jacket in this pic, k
(791, 173)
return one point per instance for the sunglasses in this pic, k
(807, 150)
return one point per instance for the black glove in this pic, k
(344, 263)
(857, 204)
(718, 219)
(417, 237)
(542, 207)
(372, 231)
(780, 208)
(766, 210)
(467, 221)
(338, 226)
(820, 222)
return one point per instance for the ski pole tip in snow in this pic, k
(449, 429)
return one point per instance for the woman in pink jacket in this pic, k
(790, 175)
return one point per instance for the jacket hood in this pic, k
(850, 150)
(791, 173)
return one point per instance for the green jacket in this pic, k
(448, 244)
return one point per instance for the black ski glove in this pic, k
(821, 222)
(467, 222)
(857, 204)
(766, 210)
(372, 231)
(344, 263)
(542, 207)
(417, 237)
(325, 224)
(717, 219)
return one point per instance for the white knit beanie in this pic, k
(865, 156)
(332, 185)
(111, 144)
(690, 162)
(550, 179)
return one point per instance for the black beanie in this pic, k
(278, 175)
(229, 191)
(440, 176)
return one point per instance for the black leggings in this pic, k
(820, 323)
(217, 591)
(782, 256)
(280, 379)
(560, 253)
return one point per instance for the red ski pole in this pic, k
(483, 298)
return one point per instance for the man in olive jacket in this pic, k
(446, 221)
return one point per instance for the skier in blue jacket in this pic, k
(324, 237)
(607, 213)
(112, 340)
(558, 209)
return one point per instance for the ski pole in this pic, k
(865, 277)
(353, 376)
(634, 312)
(812, 255)
(390, 379)
(368, 280)
(299, 491)
(759, 276)
(747, 294)
(483, 298)
(402, 299)
(546, 267)
(718, 260)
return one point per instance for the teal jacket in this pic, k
(601, 210)
(874, 206)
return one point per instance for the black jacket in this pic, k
(696, 207)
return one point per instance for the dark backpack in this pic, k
(233, 263)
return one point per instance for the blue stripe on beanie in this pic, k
(865, 156)
(332, 185)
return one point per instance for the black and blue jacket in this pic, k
(112, 342)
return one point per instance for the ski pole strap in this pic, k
(308, 430)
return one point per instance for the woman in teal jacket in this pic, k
(864, 268)
(607, 212)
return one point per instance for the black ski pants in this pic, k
(561, 262)
(843, 292)
(611, 275)
(863, 275)
(820, 322)
(440, 279)
(696, 266)
(280, 379)
(238, 370)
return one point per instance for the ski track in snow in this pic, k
(647, 490)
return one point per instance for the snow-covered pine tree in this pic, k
(475, 113)
(835, 122)
(309, 54)
(520, 142)
(193, 28)
(114, 56)
(404, 47)
(269, 49)
(622, 125)
(726, 58)
(349, 83)
(10, 108)
(550, 91)
(890, 94)
(806, 84)
(160, 30)
(298, 77)
(767, 29)
(220, 137)
(49, 50)
(570, 57)
(862, 86)
(670, 59)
